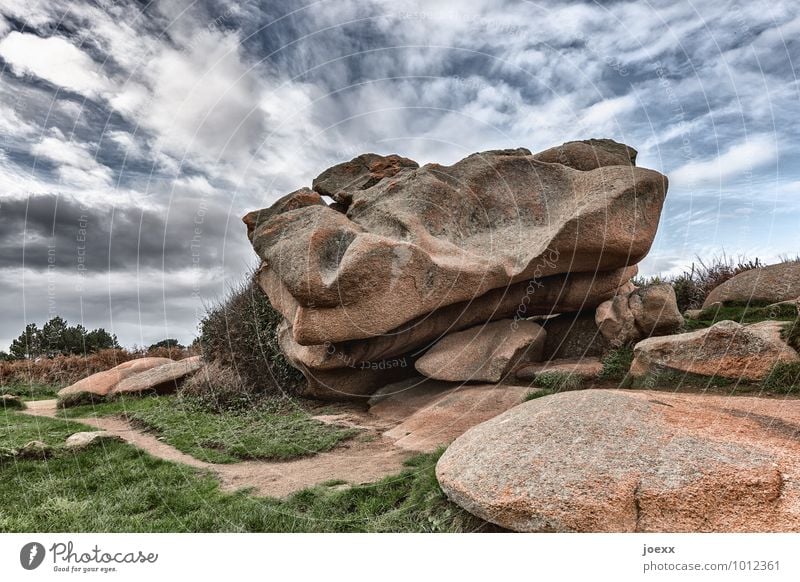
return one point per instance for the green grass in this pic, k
(558, 381)
(534, 394)
(116, 488)
(32, 391)
(616, 364)
(751, 313)
(784, 378)
(270, 431)
(16, 429)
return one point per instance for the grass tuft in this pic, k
(617, 364)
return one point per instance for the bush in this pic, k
(240, 336)
(617, 364)
(218, 388)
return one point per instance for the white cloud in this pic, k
(755, 152)
(55, 60)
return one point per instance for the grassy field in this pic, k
(117, 488)
(270, 431)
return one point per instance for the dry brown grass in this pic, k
(65, 370)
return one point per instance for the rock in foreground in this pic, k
(625, 461)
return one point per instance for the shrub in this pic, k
(217, 388)
(240, 335)
(784, 377)
(616, 364)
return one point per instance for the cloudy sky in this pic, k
(134, 135)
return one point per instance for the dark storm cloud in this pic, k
(57, 232)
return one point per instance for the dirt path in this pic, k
(354, 462)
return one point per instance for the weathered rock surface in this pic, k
(559, 293)
(590, 154)
(82, 440)
(626, 461)
(770, 284)
(451, 413)
(102, 383)
(726, 349)
(644, 312)
(342, 180)
(162, 379)
(486, 353)
(407, 255)
(429, 237)
(588, 368)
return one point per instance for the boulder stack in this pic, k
(405, 256)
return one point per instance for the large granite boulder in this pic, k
(627, 461)
(644, 312)
(406, 254)
(102, 383)
(726, 349)
(486, 353)
(764, 285)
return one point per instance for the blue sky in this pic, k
(134, 136)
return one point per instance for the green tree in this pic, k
(5, 356)
(54, 336)
(28, 344)
(99, 339)
(167, 343)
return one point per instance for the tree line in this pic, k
(57, 337)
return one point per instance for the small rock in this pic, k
(35, 450)
(645, 312)
(82, 440)
(12, 401)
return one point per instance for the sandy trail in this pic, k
(355, 461)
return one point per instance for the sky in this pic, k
(134, 135)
